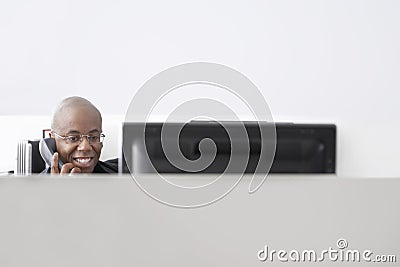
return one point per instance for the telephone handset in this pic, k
(47, 147)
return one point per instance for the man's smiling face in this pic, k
(76, 120)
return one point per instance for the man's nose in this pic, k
(84, 145)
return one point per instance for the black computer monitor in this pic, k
(300, 148)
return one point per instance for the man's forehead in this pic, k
(75, 131)
(78, 119)
(76, 112)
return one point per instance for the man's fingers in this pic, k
(54, 164)
(76, 170)
(66, 168)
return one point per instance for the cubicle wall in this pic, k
(108, 221)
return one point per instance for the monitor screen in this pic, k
(300, 148)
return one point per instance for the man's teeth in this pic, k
(83, 160)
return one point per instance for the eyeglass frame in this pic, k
(65, 137)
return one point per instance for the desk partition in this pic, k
(109, 221)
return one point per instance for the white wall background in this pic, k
(315, 61)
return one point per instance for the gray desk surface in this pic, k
(109, 221)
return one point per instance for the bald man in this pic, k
(77, 129)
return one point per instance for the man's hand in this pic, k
(67, 168)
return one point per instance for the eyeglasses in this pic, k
(78, 138)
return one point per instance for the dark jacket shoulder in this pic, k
(109, 166)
